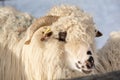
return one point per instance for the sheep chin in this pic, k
(86, 71)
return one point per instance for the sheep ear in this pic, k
(43, 21)
(98, 33)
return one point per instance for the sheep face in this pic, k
(78, 42)
(79, 56)
(78, 53)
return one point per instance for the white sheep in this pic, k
(109, 54)
(57, 46)
(13, 25)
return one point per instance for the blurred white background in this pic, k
(106, 13)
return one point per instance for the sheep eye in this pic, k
(62, 36)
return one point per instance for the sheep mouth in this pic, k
(77, 66)
(86, 71)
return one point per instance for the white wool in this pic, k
(12, 28)
(42, 60)
(109, 55)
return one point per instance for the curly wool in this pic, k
(109, 54)
(76, 22)
(13, 25)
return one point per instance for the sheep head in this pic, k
(72, 35)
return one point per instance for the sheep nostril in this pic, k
(79, 62)
(88, 65)
(77, 66)
(89, 53)
(83, 67)
(90, 62)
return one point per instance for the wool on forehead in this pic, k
(78, 24)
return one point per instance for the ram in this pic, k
(59, 45)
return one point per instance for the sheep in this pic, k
(109, 54)
(59, 45)
(13, 25)
(56, 27)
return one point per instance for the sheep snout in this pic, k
(90, 62)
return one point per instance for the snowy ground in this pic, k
(106, 13)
